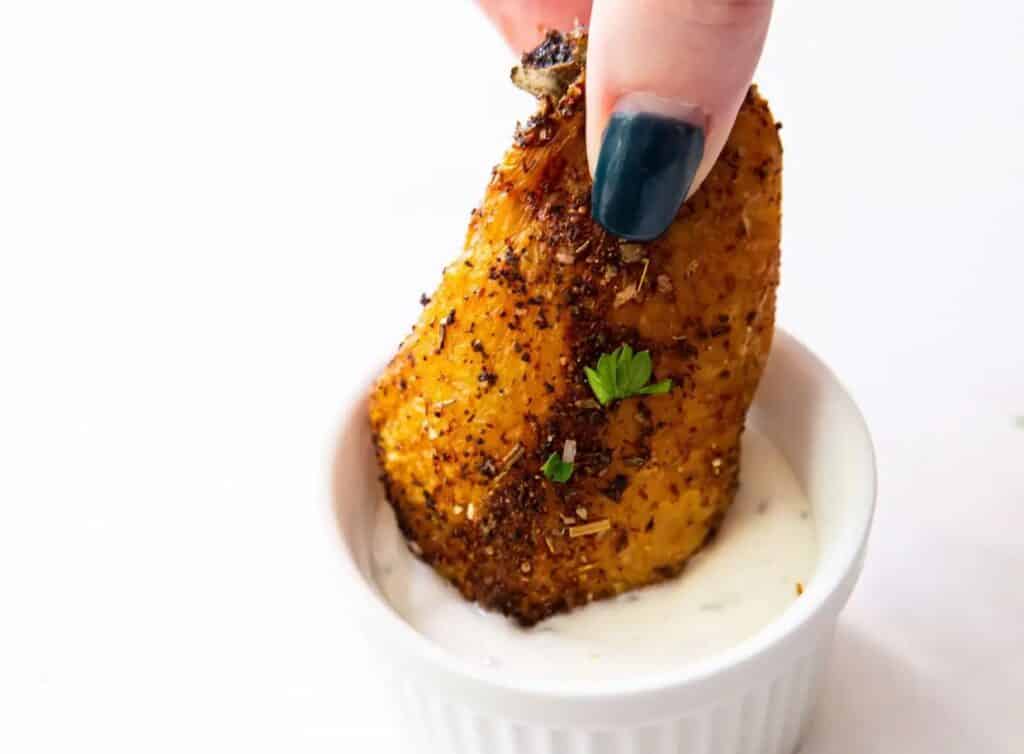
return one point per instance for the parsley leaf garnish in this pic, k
(623, 374)
(556, 469)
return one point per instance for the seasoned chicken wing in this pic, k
(531, 482)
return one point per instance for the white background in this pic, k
(216, 217)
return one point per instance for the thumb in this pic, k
(665, 79)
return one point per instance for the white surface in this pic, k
(212, 214)
(732, 589)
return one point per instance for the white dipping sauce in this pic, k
(730, 590)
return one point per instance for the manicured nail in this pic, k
(649, 155)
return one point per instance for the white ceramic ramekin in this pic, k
(753, 699)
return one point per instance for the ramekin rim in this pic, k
(815, 601)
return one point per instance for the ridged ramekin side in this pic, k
(768, 717)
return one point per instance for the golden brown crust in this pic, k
(490, 382)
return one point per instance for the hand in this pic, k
(665, 79)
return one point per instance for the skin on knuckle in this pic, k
(726, 13)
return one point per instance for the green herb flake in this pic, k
(556, 469)
(623, 374)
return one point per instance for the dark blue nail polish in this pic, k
(644, 170)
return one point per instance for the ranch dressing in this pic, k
(730, 590)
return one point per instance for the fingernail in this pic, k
(649, 156)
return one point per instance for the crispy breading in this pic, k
(491, 380)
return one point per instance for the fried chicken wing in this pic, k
(491, 383)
